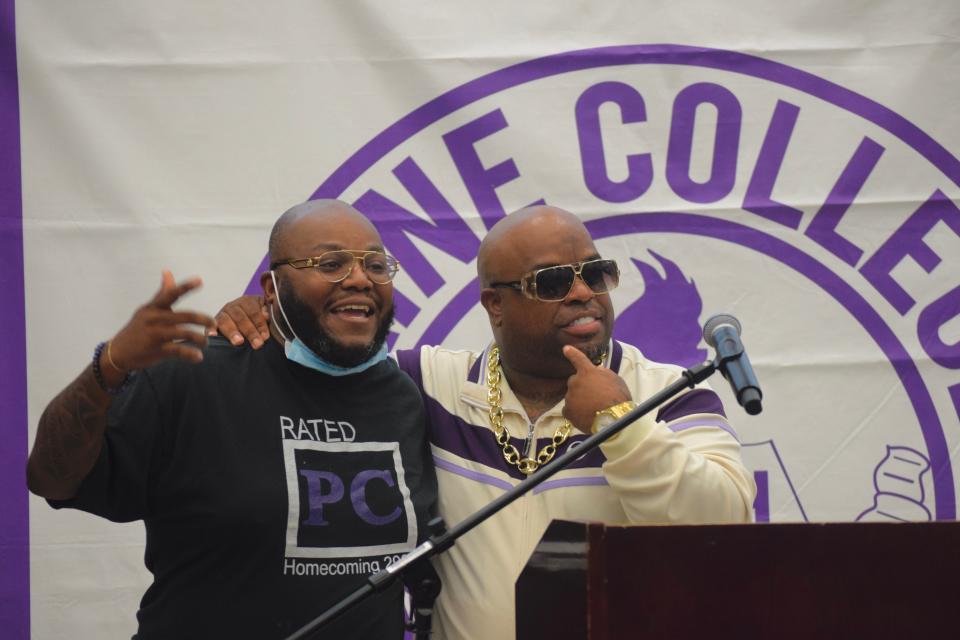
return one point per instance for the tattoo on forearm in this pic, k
(70, 434)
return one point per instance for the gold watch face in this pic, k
(604, 420)
(611, 414)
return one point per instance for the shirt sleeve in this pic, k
(117, 486)
(418, 460)
(682, 466)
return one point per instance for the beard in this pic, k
(597, 352)
(304, 324)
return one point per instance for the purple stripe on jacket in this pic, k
(692, 402)
(616, 357)
(409, 361)
(592, 481)
(474, 375)
(486, 478)
(704, 422)
(476, 476)
(477, 443)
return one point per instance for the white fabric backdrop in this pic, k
(171, 135)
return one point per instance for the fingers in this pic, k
(578, 359)
(256, 309)
(243, 319)
(152, 317)
(166, 280)
(254, 324)
(170, 291)
(174, 326)
(227, 327)
(181, 335)
(190, 317)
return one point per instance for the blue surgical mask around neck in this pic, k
(297, 351)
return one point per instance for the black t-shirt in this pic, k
(268, 490)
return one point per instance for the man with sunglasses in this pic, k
(551, 376)
(271, 482)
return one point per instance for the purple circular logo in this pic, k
(775, 171)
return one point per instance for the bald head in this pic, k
(514, 234)
(531, 332)
(341, 314)
(280, 234)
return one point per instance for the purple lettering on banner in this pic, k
(904, 366)
(745, 65)
(758, 198)
(761, 504)
(934, 316)
(955, 397)
(417, 121)
(726, 142)
(14, 510)
(908, 241)
(405, 310)
(823, 227)
(448, 232)
(317, 498)
(639, 165)
(480, 181)
(358, 495)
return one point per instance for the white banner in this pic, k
(793, 165)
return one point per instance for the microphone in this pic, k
(722, 332)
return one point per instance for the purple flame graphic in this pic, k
(664, 323)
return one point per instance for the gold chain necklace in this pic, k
(526, 465)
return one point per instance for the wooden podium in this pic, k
(811, 581)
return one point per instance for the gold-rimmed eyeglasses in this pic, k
(334, 266)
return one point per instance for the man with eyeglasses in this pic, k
(551, 376)
(271, 482)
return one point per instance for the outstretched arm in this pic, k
(70, 432)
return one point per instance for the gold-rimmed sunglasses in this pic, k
(552, 284)
(334, 266)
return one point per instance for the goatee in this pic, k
(305, 324)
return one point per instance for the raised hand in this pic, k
(590, 389)
(156, 332)
(245, 317)
(70, 431)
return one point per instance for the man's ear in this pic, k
(269, 292)
(492, 301)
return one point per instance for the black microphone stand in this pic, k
(442, 539)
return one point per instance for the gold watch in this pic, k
(606, 417)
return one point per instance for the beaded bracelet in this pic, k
(98, 374)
